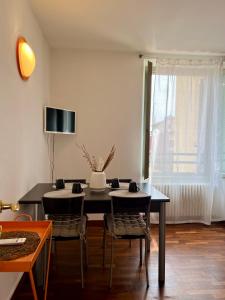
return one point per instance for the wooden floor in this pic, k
(195, 268)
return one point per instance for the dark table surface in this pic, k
(95, 202)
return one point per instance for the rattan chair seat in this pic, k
(68, 225)
(126, 224)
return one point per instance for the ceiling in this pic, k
(134, 25)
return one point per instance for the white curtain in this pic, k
(186, 135)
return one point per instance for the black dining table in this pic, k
(99, 202)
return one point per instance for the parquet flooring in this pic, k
(195, 268)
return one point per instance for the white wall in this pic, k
(23, 147)
(105, 89)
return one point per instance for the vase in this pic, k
(98, 181)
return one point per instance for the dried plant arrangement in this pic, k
(100, 165)
(109, 158)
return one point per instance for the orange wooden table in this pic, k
(26, 263)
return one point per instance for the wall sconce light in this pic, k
(25, 58)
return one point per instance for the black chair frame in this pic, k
(130, 206)
(67, 207)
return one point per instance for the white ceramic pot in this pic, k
(98, 180)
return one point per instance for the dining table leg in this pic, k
(162, 225)
(36, 207)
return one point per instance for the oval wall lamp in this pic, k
(25, 58)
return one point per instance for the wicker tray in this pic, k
(17, 251)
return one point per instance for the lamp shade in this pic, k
(25, 58)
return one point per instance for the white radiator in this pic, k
(188, 202)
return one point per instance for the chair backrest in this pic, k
(125, 180)
(63, 206)
(75, 180)
(130, 204)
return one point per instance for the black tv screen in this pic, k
(59, 120)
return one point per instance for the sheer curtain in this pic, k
(185, 138)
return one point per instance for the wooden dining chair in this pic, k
(74, 180)
(129, 219)
(124, 180)
(69, 222)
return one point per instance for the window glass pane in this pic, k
(177, 107)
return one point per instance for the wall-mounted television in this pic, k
(57, 120)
